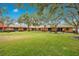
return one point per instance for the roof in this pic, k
(17, 25)
(41, 26)
(1, 25)
(65, 25)
(62, 25)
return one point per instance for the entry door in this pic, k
(49, 29)
(59, 29)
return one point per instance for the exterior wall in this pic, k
(30, 29)
(46, 29)
(24, 29)
(41, 29)
(20, 28)
(67, 29)
(10, 29)
(37, 29)
(53, 29)
(0, 29)
(64, 29)
(70, 29)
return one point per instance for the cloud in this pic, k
(15, 10)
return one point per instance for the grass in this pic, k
(38, 44)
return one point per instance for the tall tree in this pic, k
(2, 19)
(72, 17)
(55, 15)
(25, 19)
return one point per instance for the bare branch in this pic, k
(66, 19)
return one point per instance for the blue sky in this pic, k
(14, 13)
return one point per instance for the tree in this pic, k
(72, 19)
(25, 19)
(48, 12)
(2, 19)
(35, 19)
(39, 6)
(8, 22)
(72, 15)
(53, 15)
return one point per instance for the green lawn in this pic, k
(38, 44)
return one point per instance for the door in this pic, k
(59, 29)
(49, 29)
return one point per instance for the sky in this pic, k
(14, 12)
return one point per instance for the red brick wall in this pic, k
(68, 29)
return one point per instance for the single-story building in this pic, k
(60, 28)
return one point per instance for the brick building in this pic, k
(60, 28)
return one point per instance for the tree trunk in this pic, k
(28, 28)
(44, 28)
(35, 28)
(55, 28)
(8, 28)
(3, 28)
(76, 29)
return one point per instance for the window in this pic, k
(67, 28)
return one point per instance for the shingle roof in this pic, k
(65, 25)
(41, 26)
